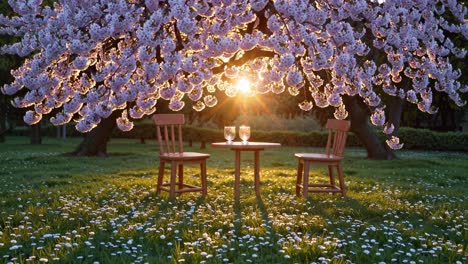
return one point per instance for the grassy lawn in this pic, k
(85, 210)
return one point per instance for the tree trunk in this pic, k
(36, 136)
(95, 142)
(359, 117)
(395, 111)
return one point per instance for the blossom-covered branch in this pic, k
(89, 58)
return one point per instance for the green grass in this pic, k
(83, 210)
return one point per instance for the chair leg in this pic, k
(300, 168)
(173, 179)
(160, 176)
(330, 173)
(181, 176)
(305, 185)
(342, 183)
(203, 177)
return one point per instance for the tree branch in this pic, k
(248, 55)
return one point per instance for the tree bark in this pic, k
(395, 111)
(359, 117)
(95, 142)
(36, 136)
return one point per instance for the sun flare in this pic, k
(244, 86)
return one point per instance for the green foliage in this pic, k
(276, 122)
(427, 139)
(106, 210)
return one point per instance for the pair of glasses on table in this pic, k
(230, 133)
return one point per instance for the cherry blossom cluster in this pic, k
(87, 59)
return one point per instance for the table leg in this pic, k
(257, 172)
(237, 175)
(305, 185)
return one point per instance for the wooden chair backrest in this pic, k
(169, 133)
(338, 130)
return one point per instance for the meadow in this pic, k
(60, 209)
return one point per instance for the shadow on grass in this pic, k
(266, 218)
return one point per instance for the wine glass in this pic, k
(229, 133)
(244, 133)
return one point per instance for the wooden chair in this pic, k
(169, 133)
(337, 132)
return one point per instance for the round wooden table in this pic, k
(237, 147)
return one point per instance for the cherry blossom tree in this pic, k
(94, 59)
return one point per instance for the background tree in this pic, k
(96, 59)
(5, 65)
(4, 74)
(7, 62)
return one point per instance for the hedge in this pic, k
(421, 139)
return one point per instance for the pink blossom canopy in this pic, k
(89, 58)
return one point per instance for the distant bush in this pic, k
(422, 139)
(275, 122)
(413, 138)
(427, 139)
(47, 131)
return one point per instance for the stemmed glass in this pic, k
(244, 133)
(229, 133)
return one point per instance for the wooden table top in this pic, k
(242, 146)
